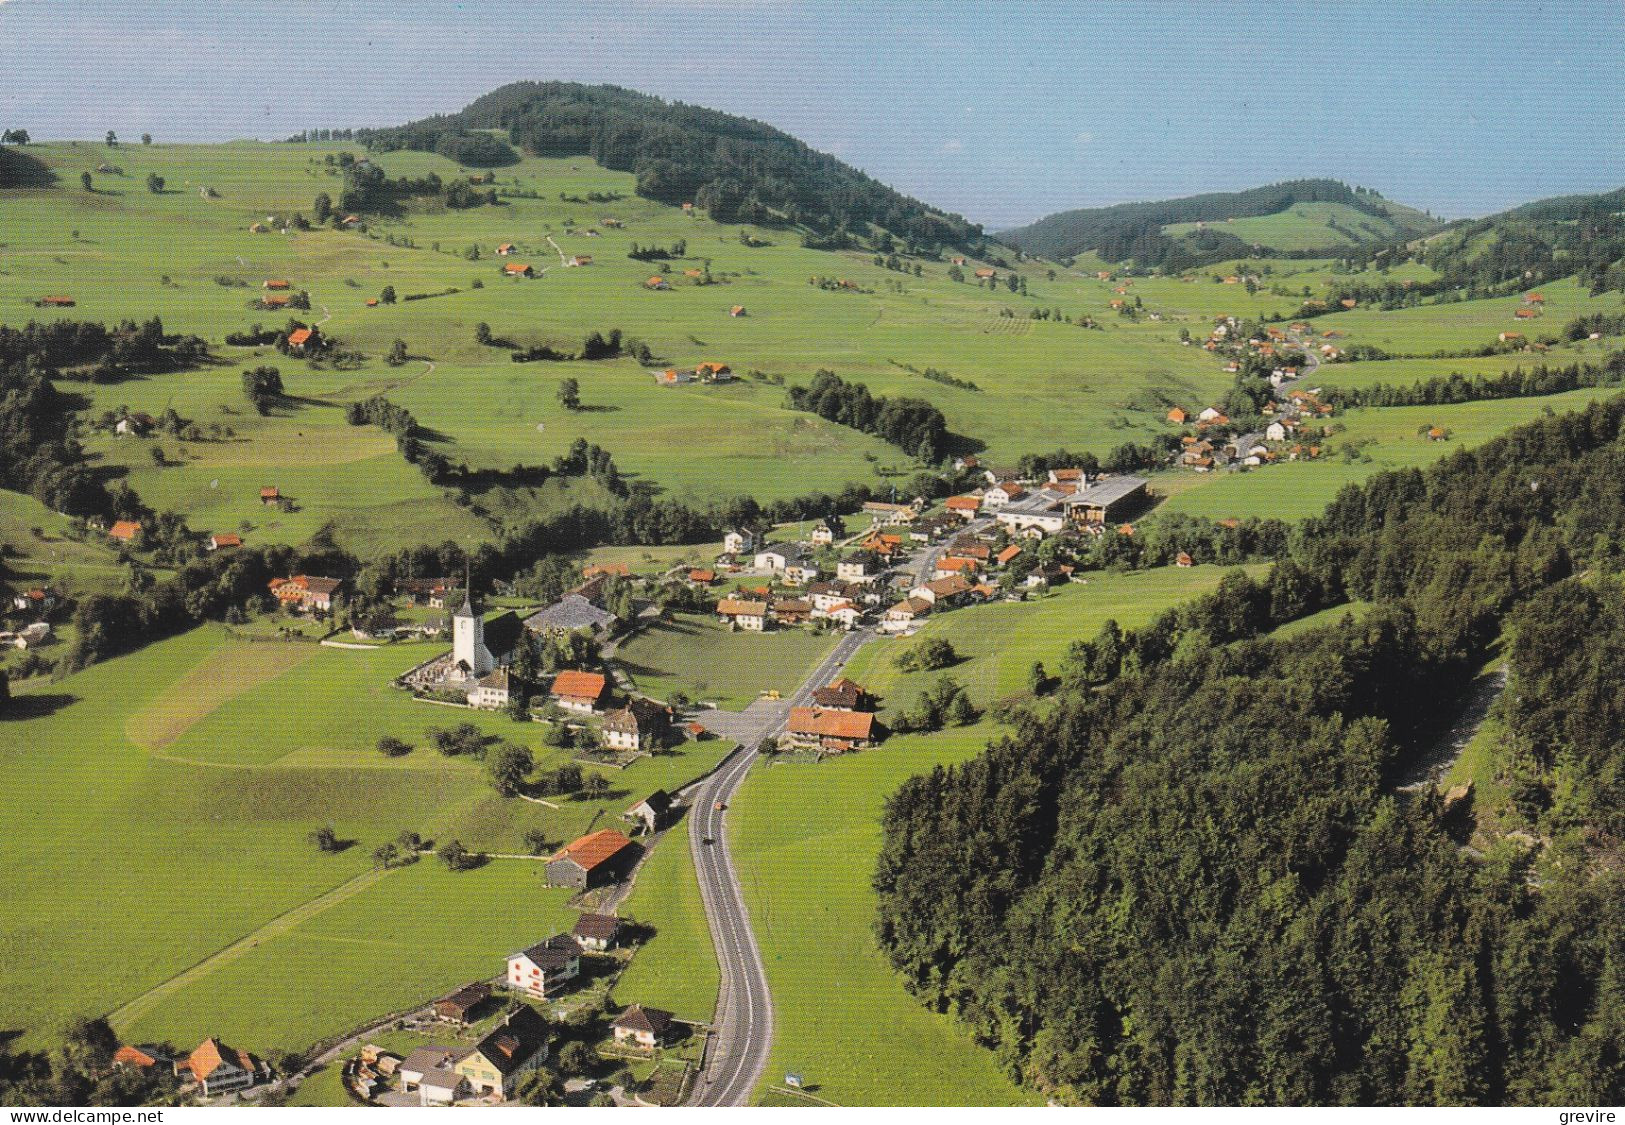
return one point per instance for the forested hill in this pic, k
(1537, 242)
(1135, 231)
(737, 169)
(1192, 882)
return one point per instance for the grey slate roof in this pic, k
(570, 612)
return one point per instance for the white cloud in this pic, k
(955, 145)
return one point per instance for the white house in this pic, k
(1006, 492)
(750, 616)
(491, 691)
(545, 967)
(740, 541)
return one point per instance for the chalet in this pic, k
(1177, 416)
(144, 1057)
(125, 531)
(886, 514)
(612, 224)
(580, 260)
(219, 1069)
(518, 269)
(657, 282)
(942, 592)
(306, 592)
(304, 340)
(1349, 302)
(1526, 313)
(1001, 494)
(1511, 337)
(958, 260)
(350, 221)
(740, 541)
(1107, 499)
(860, 566)
(792, 611)
(986, 273)
(224, 542)
(694, 272)
(505, 249)
(737, 310)
(688, 208)
(277, 285)
(1435, 433)
(640, 725)
(841, 695)
(644, 1028)
(460, 1006)
(777, 557)
(827, 530)
(964, 507)
(1003, 558)
(39, 600)
(371, 302)
(714, 372)
(492, 691)
(826, 594)
(652, 813)
(274, 301)
(1533, 299)
(829, 732)
(903, 616)
(515, 1048)
(700, 576)
(750, 616)
(1212, 415)
(931, 528)
(579, 691)
(1184, 560)
(427, 1072)
(597, 932)
(611, 569)
(846, 614)
(270, 494)
(544, 967)
(671, 377)
(592, 861)
(950, 565)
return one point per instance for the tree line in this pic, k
(913, 425)
(1532, 382)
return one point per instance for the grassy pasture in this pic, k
(999, 643)
(694, 654)
(677, 968)
(178, 853)
(1303, 226)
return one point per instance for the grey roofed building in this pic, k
(1106, 498)
(569, 613)
(554, 953)
(502, 634)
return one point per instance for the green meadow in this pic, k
(999, 643)
(676, 968)
(161, 803)
(695, 655)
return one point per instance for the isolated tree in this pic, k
(146, 138)
(322, 208)
(536, 841)
(570, 394)
(397, 353)
(112, 139)
(325, 839)
(386, 295)
(391, 747)
(509, 767)
(263, 386)
(84, 180)
(595, 785)
(409, 841)
(155, 183)
(482, 334)
(88, 1044)
(577, 1058)
(385, 855)
(456, 857)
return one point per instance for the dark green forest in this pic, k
(737, 169)
(1133, 231)
(1191, 879)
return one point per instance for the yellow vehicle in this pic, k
(770, 693)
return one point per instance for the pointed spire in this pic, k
(467, 609)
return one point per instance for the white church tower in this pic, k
(468, 639)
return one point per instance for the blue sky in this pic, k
(1002, 111)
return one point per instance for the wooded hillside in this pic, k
(1192, 882)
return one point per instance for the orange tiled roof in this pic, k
(592, 851)
(579, 685)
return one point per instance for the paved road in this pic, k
(744, 1017)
